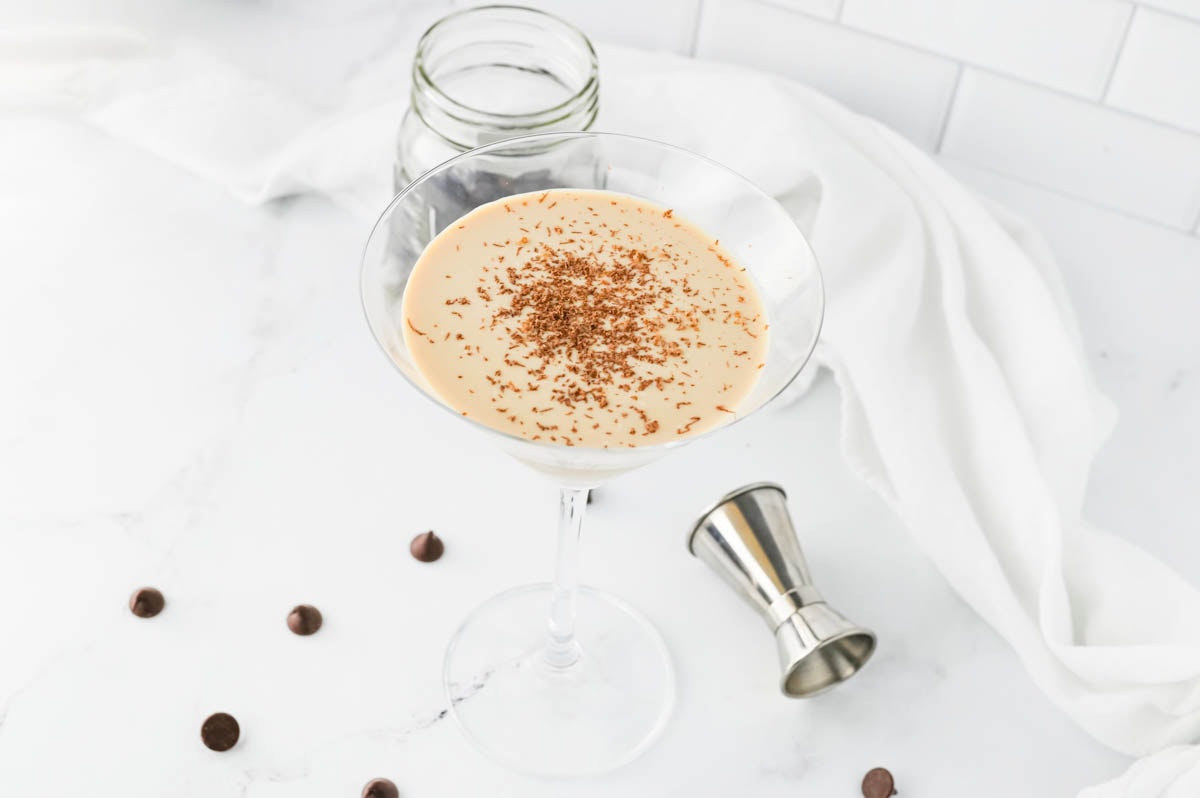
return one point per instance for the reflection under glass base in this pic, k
(588, 718)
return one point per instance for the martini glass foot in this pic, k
(546, 719)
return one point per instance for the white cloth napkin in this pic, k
(967, 400)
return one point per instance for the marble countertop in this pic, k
(193, 401)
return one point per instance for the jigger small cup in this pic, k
(747, 537)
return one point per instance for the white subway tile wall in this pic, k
(649, 24)
(907, 89)
(1094, 99)
(1159, 71)
(1077, 147)
(1067, 44)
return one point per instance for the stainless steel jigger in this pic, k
(747, 538)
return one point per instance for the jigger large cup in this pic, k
(748, 539)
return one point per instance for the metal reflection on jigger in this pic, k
(747, 537)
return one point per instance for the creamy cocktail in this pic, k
(584, 318)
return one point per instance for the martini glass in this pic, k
(558, 679)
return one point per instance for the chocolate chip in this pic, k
(380, 788)
(878, 783)
(427, 547)
(304, 619)
(146, 602)
(220, 732)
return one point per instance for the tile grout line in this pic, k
(945, 126)
(784, 5)
(1066, 95)
(841, 9)
(994, 72)
(1112, 72)
(1166, 12)
(1063, 194)
(695, 46)
(1193, 231)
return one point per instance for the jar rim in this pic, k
(584, 93)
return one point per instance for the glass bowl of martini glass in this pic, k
(590, 302)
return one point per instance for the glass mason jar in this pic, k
(491, 73)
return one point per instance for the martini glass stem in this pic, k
(562, 650)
